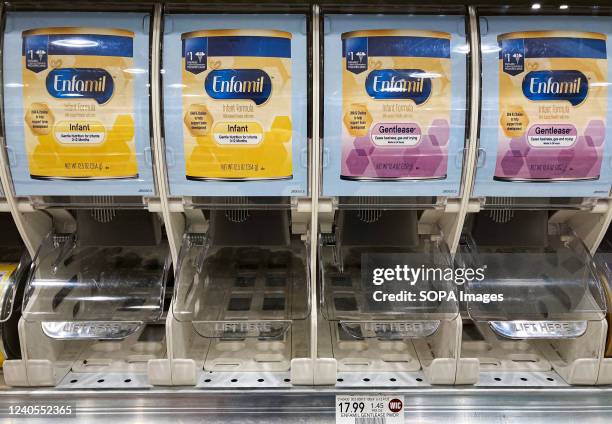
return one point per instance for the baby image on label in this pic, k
(396, 99)
(553, 106)
(78, 99)
(237, 104)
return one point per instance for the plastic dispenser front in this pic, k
(94, 305)
(537, 317)
(239, 205)
(95, 302)
(376, 341)
(241, 299)
(603, 259)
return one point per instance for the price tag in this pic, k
(369, 409)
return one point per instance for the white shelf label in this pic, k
(369, 409)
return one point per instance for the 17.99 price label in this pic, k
(369, 409)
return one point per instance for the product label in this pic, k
(369, 409)
(237, 104)
(396, 88)
(553, 105)
(78, 97)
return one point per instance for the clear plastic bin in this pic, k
(243, 299)
(603, 259)
(544, 314)
(95, 309)
(417, 332)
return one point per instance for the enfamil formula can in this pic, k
(396, 100)
(553, 104)
(78, 98)
(237, 104)
(7, 270)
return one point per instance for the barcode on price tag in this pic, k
(369, 409)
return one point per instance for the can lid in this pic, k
(77, 31)
(236, 32)
(551, 34)
(395, 33)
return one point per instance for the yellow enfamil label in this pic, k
(553, 102)
(78, 98)
(6, 272)
(237, 104)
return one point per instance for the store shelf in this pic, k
(433, 405)
(271, 315)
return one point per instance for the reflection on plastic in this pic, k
(539, 329)
(238, 330)
(391, 330)
(67, 330)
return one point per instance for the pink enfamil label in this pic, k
(396, 89)
(553, 106)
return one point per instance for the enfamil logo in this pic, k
(80, 83)
(568, 85)
(399, 84)
(239, 84)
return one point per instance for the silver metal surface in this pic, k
(88, 381)
(521, 329)
(542, 180)
(388, 179)
(49, 178)
(421, 405)
(385, 380)
(192, 178)
(520, 379)
(244, 380)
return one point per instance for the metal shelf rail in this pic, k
(458, 405)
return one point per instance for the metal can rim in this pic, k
(396, 33)
(551, 34)
(274, 33)
(78, 31)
